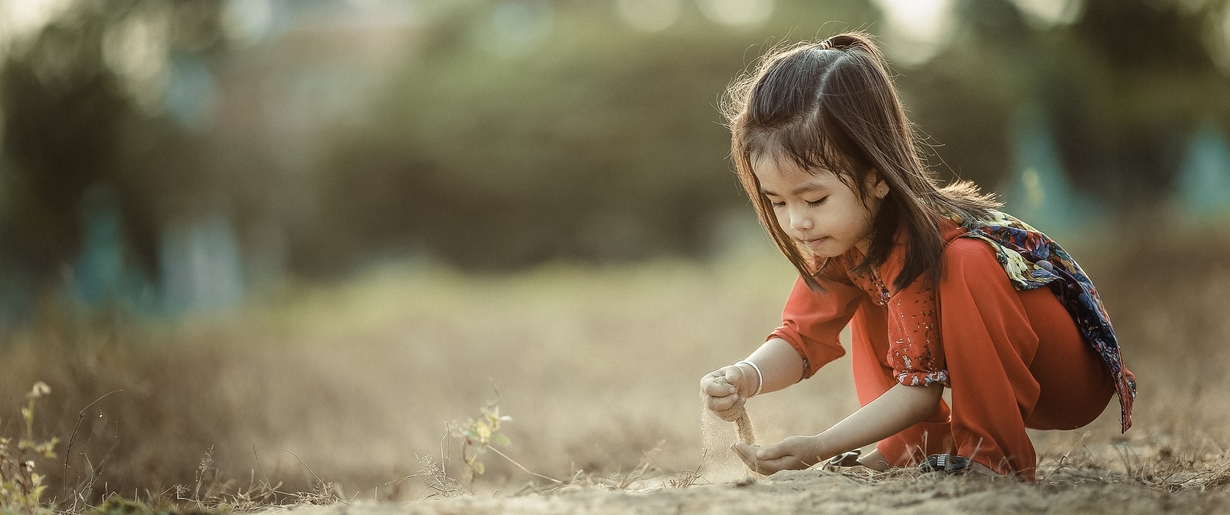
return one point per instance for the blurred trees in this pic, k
(499, 134)
(69, 120)
(602, 144)
(1125, 86)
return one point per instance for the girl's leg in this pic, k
(1016, 360)
(1075, 386)
(869, 345)
(989, 344)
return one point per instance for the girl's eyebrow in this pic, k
(799, 190)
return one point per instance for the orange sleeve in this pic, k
(914, 350)
(812, 321)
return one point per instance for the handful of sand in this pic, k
(743, 423)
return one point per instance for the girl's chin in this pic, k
(825, 255)
(824, 248)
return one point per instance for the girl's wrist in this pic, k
(759, 375)
(821, 448)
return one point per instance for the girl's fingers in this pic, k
(716, 385)
(784, 455)
(772, 452)
(745, 452)
(733, 374)
(768, 467)
(721, 390)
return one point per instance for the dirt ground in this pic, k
(819, 491)
(352, 389)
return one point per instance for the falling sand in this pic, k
(716, 439)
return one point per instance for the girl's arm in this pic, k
(900, 407)
(732, 385)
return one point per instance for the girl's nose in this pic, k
(800, 221)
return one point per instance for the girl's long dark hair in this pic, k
(832, 106)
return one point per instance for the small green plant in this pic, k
(479, 434)
(21, 487)
(482, 434)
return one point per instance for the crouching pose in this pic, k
(941, 289)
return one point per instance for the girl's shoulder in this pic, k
(1029, 257)
(950, 229)
(997, 224)
(841, 268)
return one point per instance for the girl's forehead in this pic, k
(768, 167)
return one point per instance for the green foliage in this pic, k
(116, 505)
(21, 486)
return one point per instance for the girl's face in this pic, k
(817, 209)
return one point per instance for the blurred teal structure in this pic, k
(202, 267)
(103, 275)
(1204, 179)
(1039, 191)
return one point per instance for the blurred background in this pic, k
(338, 223)
(183, 156)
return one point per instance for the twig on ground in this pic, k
(68, 449)
(326, 490)
(528, 471)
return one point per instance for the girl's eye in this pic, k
(777, 204)
(814, 203)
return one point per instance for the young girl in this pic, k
(941, 290)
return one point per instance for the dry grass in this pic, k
(345, 391)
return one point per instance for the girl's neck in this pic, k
(863, 245)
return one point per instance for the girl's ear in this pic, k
(878, 187)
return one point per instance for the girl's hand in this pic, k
(727, 388)
(793, 453)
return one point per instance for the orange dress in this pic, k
(1012, 358)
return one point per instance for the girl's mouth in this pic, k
(813, 244)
